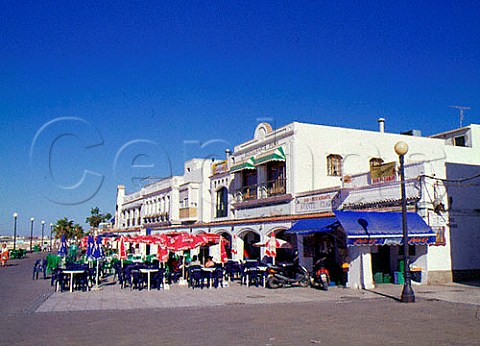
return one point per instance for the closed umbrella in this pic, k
(122, 252)
(98, 254)
(223, 250)
(63, 247)
(90, 246)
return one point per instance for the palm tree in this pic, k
(96, 217)
(68, 228)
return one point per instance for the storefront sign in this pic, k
(220, 167)
(314, 203)
(383, 173)
(390, 241)
(263, 211)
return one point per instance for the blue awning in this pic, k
(308, 226)
(383, 228)
(370, 228)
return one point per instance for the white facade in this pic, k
(306, 171)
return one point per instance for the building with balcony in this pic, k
(329, 178)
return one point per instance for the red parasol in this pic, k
(223, 250)
(272, 244)
(162, 253)
(122, 252)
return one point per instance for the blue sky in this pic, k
(102, 82)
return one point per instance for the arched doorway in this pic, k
(228, 246)
(286, 255)
(249, 251)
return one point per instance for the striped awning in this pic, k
(249, 164)
(273, 155)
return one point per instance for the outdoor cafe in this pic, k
(177, 258)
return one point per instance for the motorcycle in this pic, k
(287, 274)
(320, 277)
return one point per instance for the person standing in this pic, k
(4, 255)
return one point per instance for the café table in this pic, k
(148, 271)
(72, 272)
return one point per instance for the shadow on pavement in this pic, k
(384, 295)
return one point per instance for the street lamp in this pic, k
(31, 233)
(401, 148)
(51, 236)
(41, 244)
(15, 216)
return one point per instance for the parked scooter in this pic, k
(320, 277)
(287, 274)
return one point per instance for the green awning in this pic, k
(249, 164)
(273, 155)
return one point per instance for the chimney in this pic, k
(381, 125)
(228, 153)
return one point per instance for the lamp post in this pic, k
(15, 216)
(51, 236)
(31, 233)
(43, 227)
(401, 148)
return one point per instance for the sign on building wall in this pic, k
(314, 203)
(265, 211)
(440, 239)
(383, 173)
(220, 167)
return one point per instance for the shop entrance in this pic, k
(381, 264)
(330, 247)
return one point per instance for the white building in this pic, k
(313, 172)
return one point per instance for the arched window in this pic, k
(375, 162)
(222, 203)
(334, 165)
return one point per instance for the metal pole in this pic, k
(43, 227)
(15, 215)
(31, 234)
(51, 236)
(408, 295)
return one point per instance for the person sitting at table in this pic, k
(209, 262)
(194, 262)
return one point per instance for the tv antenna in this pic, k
(461, 110)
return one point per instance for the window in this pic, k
(249, 187)
(376, 162)
(222, 202)
(276, 178)
(459, 141)
(334, 165)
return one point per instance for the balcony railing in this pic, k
(188, 213)
(276, 187)
(246, 193)
(268, 189)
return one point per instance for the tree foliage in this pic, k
(96, 217)
(69, 228)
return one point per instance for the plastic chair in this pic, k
(196, 278)
(81, 281)
(217, 277)
(156, 279)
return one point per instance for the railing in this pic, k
(276, 187)
(246, 193)
(187, 213)
(158, 217)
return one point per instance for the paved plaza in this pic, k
(33, 314)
